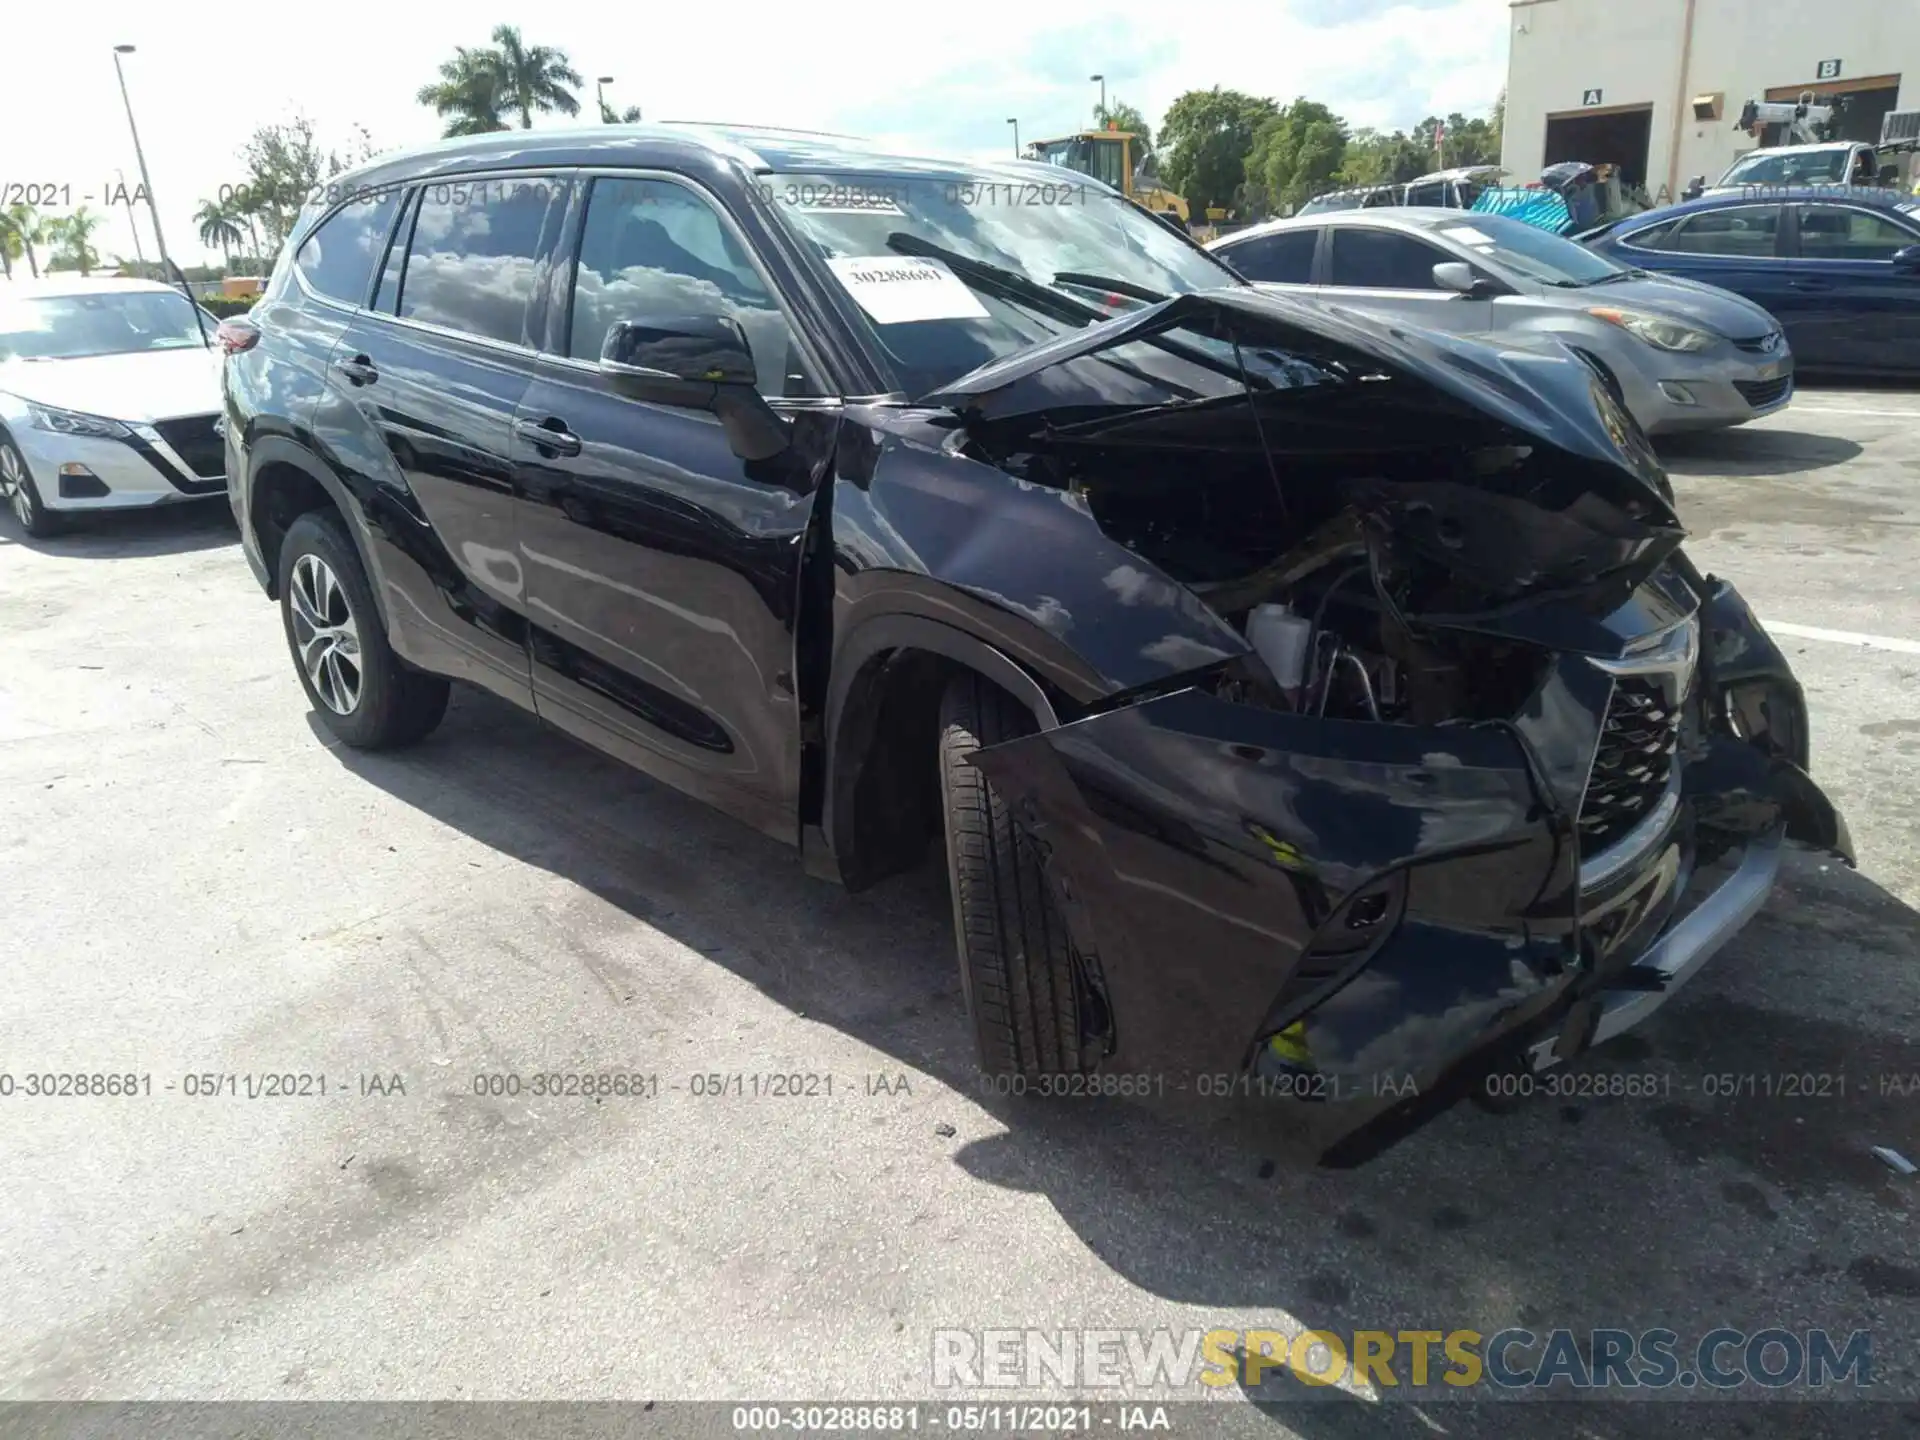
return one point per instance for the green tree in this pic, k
(72, 240)
(468, 94)
(286, 166)
(535, 77)
(217, 228)
(21, 228)
(628, 116)
(1205, 141)
(1376, 159)
(1295, 156)
(1466, 142)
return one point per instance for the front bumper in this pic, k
(1670, 394)
(1350, 924)
(78, 472)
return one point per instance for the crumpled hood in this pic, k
(1509, 467)
(148, 385)
(1719, 311)
(1546, 394)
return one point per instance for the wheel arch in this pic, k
(286, 481)
(880, 801)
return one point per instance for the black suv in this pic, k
(1314, 711)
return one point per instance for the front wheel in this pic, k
(16, 486)
(1016, 962)
(359, 688)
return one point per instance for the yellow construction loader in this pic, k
(1111, 156)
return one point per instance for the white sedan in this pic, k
(109, 398)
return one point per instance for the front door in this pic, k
(662, 570)
(1389, 270)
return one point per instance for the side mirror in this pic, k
(1696, 187)
(701, 361)
(1459, 276)
(708, 349)
(1906, 260)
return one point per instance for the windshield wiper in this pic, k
(1107, 282)
(999, 279)
(1619, 275)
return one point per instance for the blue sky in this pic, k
(944, 82)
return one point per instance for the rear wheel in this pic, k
(16, 487)
(359, 688)
(1016, 963)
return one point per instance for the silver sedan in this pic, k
(1679, 355)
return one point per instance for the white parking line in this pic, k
(1844, 637)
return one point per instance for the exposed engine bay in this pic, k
(1334, 617)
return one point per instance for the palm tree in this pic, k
(468, 93)
(628, 116)
(217, 227)
(534, 77)
(71, 235)
(24, 229)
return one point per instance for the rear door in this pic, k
(1392, 271)
(437, 369)
(662, 569)
(1851, 308)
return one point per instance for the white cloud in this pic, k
(940, 79)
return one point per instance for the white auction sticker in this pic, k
(1467, 235)
(894, 289)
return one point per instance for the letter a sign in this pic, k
(1589, 97)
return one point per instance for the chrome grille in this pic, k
(1633, 763)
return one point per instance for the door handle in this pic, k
(359, 370)
(549, 434)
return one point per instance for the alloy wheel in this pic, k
(325, 634)
(13, 483)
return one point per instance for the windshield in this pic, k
(1812, 167)
(1046, 257)
(1529, 251)
(73, 327)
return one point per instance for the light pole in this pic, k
(133, 220)
(600, 93)
(1103, 96)
(1016, 136)
(146, 180)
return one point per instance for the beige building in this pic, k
(1655, 86)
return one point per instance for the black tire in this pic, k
(1016, 962)
(393, 704)
(24, 502)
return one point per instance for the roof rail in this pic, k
(763, 129)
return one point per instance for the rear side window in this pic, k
(474, 261)
(1836, 232)
(1283, 258)
(1383, 260)
(1653, 237)
(337, 260)
(1745, 230)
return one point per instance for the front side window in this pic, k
(1282, 258)
(473, 264)
(1382, 260)
(653, 249)
(112, 322)
(1529, 251)
(1047, 254)
(1836, 232)
(1746, 231)
(337, 260)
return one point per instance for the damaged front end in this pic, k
(1498, 768)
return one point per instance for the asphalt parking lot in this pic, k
(196, 884)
